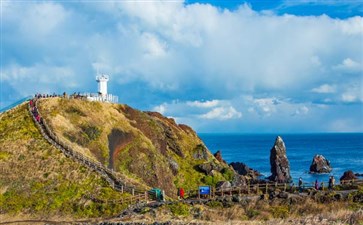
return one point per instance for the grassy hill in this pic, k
(147, 148)
(36, 178)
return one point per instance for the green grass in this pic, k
(42, 181)
(180, 209)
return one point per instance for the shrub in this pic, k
(251, 213)
(179, 209)
(228, 174)
(280, 211)
(92, 132)
(215, 204)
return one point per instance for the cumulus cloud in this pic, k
(159, 51)
(350, 66)
(222, 113)
(205, 104)
(324, 88)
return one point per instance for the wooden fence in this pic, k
(138, 195)
(109, 175)
(258, 189)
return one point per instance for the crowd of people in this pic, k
(331, 184)
(34, 110)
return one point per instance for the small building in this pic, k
(102, 95)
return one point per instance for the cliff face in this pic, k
(146, 146)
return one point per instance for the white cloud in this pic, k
(157, 51)
(205, 104)
(222, 113)
(160, 108)
(324, 88)
(352, 94)
(261, 106)
(303, 110)
(350, 66)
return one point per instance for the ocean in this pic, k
(343, 150)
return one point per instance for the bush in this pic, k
(280, 211)
(251, 213)
(228, 174)
(211, 180)
(215, 204)
(179, 209)
(92, 132)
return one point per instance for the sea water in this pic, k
(343, 150)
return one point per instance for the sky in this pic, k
(258, 66)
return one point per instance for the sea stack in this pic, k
(320, 165)
(280, 166)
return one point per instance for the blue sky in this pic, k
(218, 66)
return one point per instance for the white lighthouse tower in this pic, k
(102, 95)
(102, 84)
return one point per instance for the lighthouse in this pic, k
(102, 95)
(102, 84)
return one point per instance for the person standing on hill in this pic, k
(300, 185)
(180, 193)
(316, 184)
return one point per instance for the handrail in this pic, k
(110, 176)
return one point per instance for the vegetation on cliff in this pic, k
(36, 178)
(145, 146)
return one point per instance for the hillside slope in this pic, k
(142, 145)
(37, 179)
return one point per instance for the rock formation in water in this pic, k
(347, 176)
(320, 165)
(280, 166)
(244, 170)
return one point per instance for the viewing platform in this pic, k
(101, 98)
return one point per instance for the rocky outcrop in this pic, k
(347, 176)
(244, 170)
(201, 152)
(218, 156)
(223, 185)
(280, 166)
(320, 165)
(210, 168)
(239, 180)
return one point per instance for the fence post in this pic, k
(266, 188)
(133, 192)
(198, 193)
(285, 187)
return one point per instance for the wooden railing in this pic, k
(109, 175)
(257, 189)
(138, 194)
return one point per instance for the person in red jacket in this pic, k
(180, 193)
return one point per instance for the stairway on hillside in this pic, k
(109, 175)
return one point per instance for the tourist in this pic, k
(316, 184)
(180, 193)
(300, 185)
